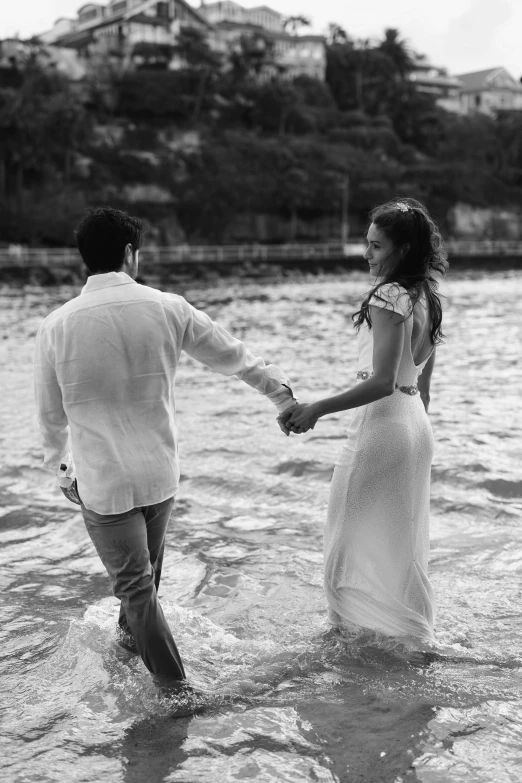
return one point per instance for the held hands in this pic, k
(298, 419)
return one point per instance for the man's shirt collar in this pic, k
(106, 280)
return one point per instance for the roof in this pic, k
(197, 12)
(89, 5)
(220, 2)
(75, 39)
(478, 80)
(70, 38)
(150, 3)
(263, 8)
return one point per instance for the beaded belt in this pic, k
(411, 390)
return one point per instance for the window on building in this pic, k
(162, 10)
(117, 8)
(87, 16)
(478, 101)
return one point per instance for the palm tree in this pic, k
(292, 24)
(251, 56)
(397, 51)
(336, 35)
(194, 51)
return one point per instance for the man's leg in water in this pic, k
(130, 545)
(157, 520)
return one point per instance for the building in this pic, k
(489, 92)
(126, 28)
(295, 55)
(228, 11)
(435, 81)
(117, 28)
(301, 55)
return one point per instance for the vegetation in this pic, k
(220, 141)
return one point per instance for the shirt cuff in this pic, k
(66, 473)
(283, 398)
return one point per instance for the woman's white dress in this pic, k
(376, 540)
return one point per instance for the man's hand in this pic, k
(283, 418)
(71, 493)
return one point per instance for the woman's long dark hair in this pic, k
(406, 221)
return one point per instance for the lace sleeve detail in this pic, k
(393, 297)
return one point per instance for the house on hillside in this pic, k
(490, 91)
(122, 27)
(125, 29)
(228, 11)
(435, 81)
(295, 55)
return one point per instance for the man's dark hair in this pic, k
(102, 235)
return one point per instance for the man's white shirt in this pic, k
(105, 366)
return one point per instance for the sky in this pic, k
(461, 35)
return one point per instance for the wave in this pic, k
(503, 488)
(299, 468)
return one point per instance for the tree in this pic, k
(336, 35)
(367, 75)
(292, 24)
(397, 52)
(278, 108)
(357, 73)
(252, 56)
(42, 123)
(193, 50)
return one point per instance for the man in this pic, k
(105, 367)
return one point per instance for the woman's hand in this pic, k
(304, 417)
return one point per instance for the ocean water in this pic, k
(286, 699)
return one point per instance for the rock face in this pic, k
(467, 222)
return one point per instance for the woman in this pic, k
(376, 539)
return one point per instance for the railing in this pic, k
(17, 256)
(465, 248)
(207, 254)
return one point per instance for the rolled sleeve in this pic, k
(51, 417)
(209, 343)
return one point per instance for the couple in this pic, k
(105, 369)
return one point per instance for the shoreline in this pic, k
(163, 265)
(17, 275)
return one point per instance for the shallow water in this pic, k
(287, 700)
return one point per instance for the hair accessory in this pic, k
(402, 207)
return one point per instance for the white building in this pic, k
(295, 54)
(115, 28)
(228, 11)
(489, 92)
(435, 81)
